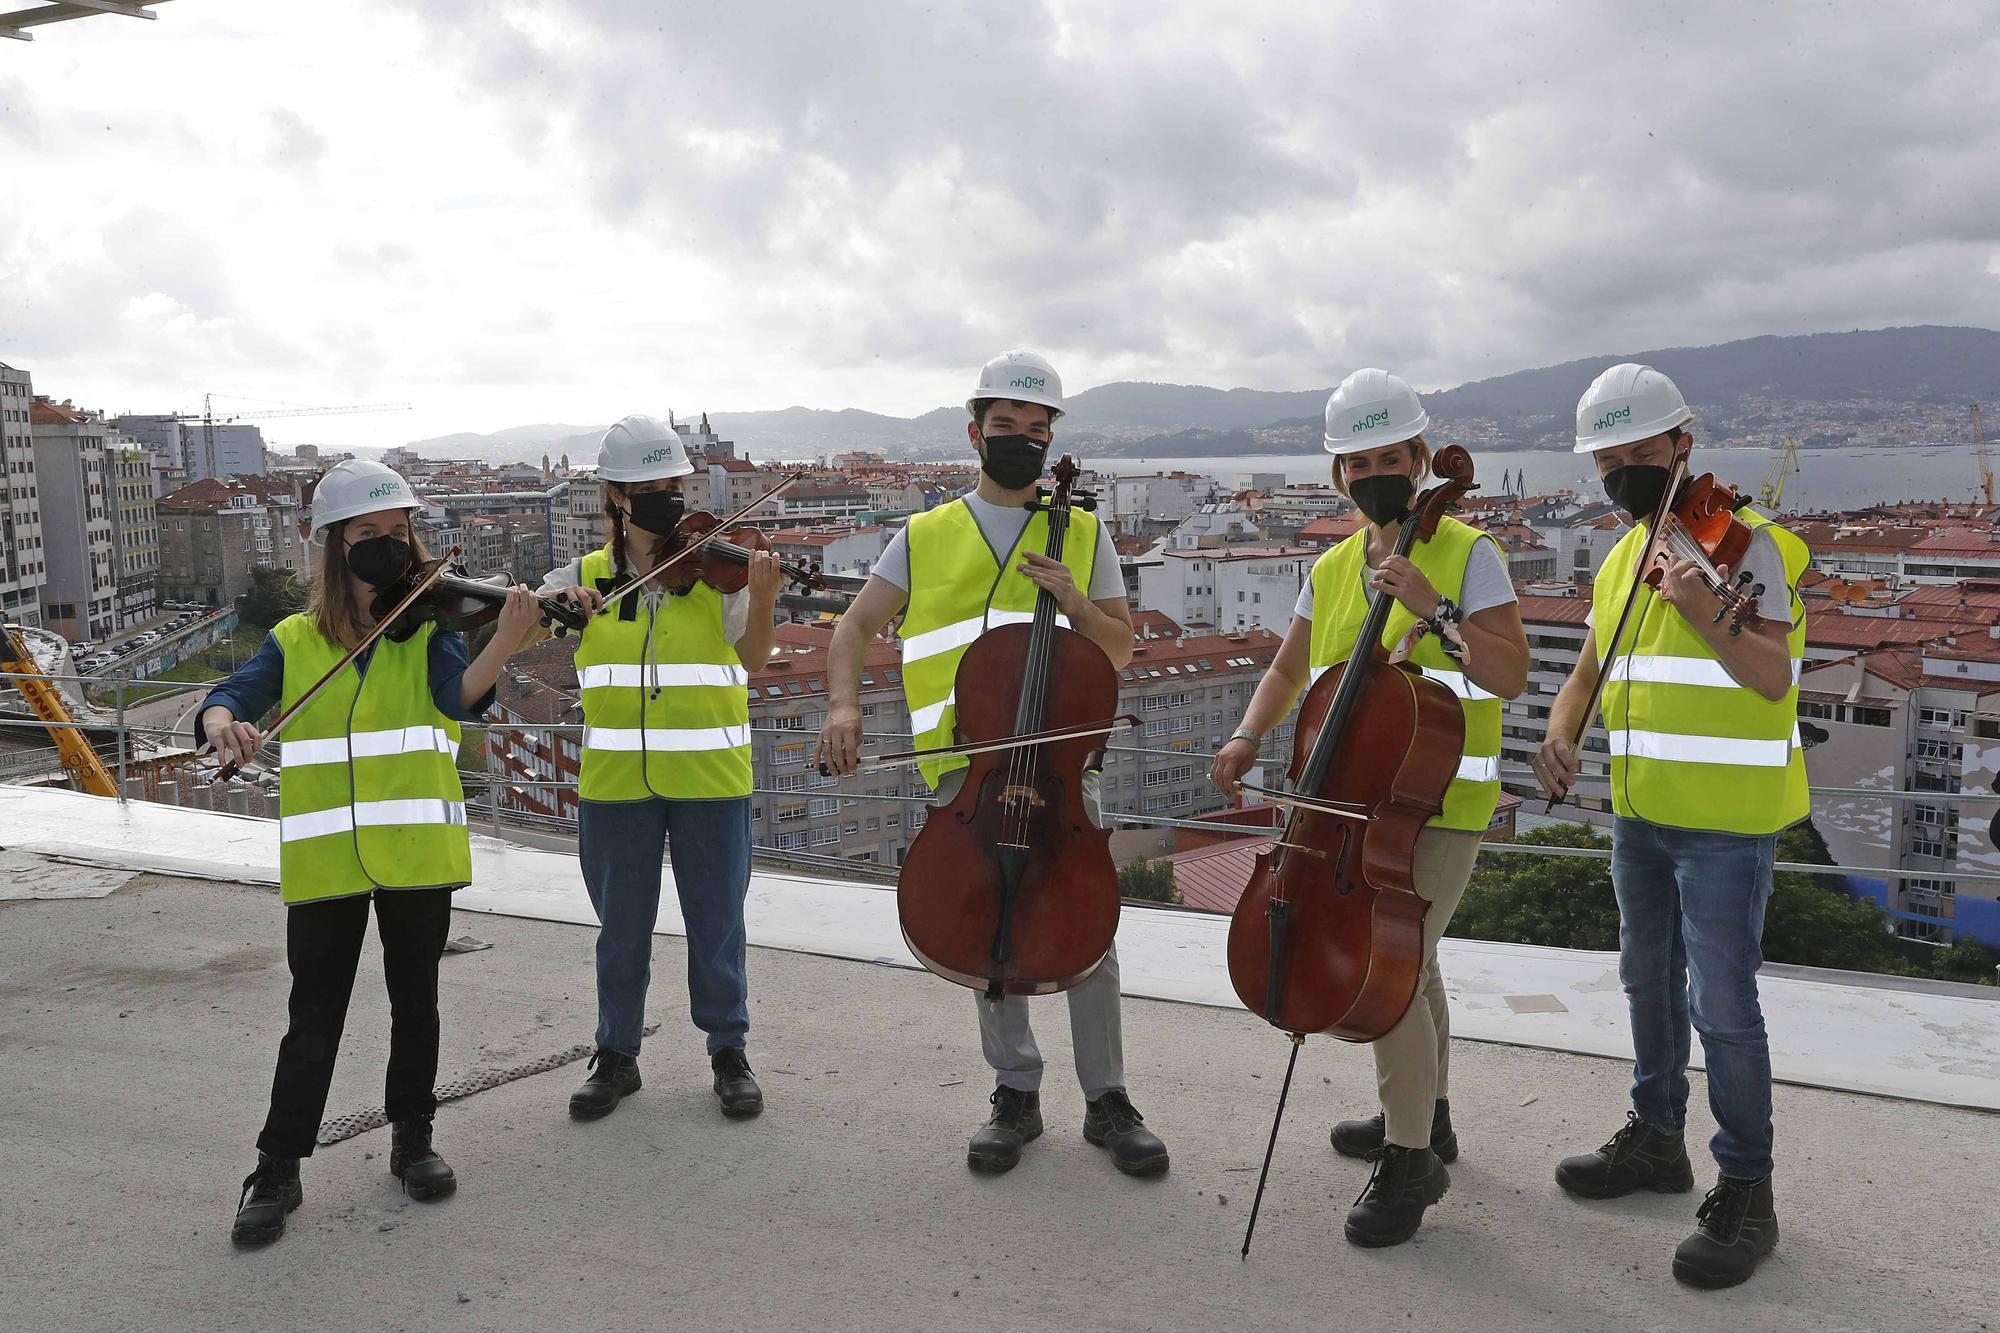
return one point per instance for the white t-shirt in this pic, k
(1486, 583)
(1766, 565)
(1001, 526)
(735, 605)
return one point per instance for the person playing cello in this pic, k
(1459, 621)
(961, 568)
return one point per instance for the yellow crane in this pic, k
(1979, 449)
(78, 757)
(1772, 492)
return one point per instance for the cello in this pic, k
(1009, 888)
(1328, 937)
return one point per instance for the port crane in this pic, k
(1772, 493)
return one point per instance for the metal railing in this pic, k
(492, 783)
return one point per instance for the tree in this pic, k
(1560, 901)
(273, 594)
(1966, 960)
(1813, 921)
(1152, 881)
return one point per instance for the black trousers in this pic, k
(323, 946)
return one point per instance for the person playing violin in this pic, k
(957, 567)
(370, 812)
(1457, 618)
(665, 765)
(1706, 769)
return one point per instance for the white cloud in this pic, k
(507, 211)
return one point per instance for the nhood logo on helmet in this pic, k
(658, 456)
(1028, 382)
(1610, 419)
(1371, 421)
(387, 488)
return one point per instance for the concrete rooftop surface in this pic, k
(139, 1031)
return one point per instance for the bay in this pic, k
(1850, 477)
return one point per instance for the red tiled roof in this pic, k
(1538, 609)
(1830, 629)
(42, 412)
(1959, 541)
(1212, 879)
(1155, 622)
(1333, 528)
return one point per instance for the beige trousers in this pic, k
(1412, 1059)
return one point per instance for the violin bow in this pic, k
(229, 768)
(1342, 809)
(1661, 513)
(875, 763)
(639, 581)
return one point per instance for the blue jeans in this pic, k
(1691, 927)
(620, 845)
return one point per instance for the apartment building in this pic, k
(1163, 498)
(212, 532)
(135, 532)
(1924, 719)
(77, 487)
(23, 558)
(1228, 588)
(837, 548)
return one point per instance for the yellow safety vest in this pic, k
(666, 701)
(1340, 604)
(1690, 747)
(369, 796)
(957, 593)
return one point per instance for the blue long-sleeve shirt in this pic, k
(254, 687)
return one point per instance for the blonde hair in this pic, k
(1423, 453)
(331, 603)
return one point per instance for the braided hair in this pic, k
(617, 517)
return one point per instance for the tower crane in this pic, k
(1772, 493)
(1979, 450)
(208, 419)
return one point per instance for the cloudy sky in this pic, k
(507, 212)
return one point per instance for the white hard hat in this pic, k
(356, 487)
(642, 449)
(1370, 410)
(1024, 377)
(1626, 404)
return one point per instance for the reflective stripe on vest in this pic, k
(1690, 747)
(1340, 605)
(957, 592)
(666, 703)
(376, 806)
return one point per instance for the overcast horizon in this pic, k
(506, 213)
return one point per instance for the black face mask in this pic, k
(380, 562)
(1384, 499)
(1636, 488)
(1013, 461)
(658, 512)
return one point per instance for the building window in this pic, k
(791, 813)
(1921, 846)
(791, 752)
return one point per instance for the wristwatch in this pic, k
(1245, 734)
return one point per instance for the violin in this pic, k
(455, 600)
(1010, 888)
(1329, 935)
(1701, 527)
(723, 562)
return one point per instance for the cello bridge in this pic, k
(1020, 797)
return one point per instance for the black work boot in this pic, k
(413, 1161)
(1639, 1156)
(1017, 1121)
(269, 1192)
(1110, 1122)
(740, 1096)
(612, 1077)
(1358, 1138)
(1391, 1206)
(1736, 1226)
